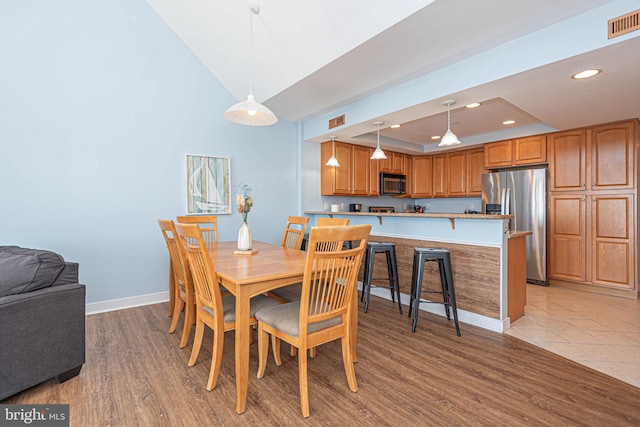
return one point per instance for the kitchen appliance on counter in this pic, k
(382, 209)
(522, 193)
(392, 183)
(355, 207)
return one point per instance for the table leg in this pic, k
(243, 302)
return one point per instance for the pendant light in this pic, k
(333, 161)
(449, 138)
(250, 112)
(378, 154)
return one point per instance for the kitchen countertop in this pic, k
(450, 216)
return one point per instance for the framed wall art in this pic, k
(208, 185)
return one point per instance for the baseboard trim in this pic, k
(123, 303)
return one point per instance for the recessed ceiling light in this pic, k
(394, 126)
(473, 105)
(586, 74)
(508, 122)
(435, 137)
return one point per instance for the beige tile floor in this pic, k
(598, 331)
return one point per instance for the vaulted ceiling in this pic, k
(313, 57)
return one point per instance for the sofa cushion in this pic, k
(24, 270)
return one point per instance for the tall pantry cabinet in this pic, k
(593, 205)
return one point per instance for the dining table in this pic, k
(248, 275)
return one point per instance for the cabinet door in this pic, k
(530, 150)
(475, 170)
(342, 180)
(498, 154)
(386, 165)
(439, 175)
(422, 182)
(567, 237)
(567, 161)
(398, 163)
(327, 173)
(613, 230)
(360, 173)
(456, 172)
(612, 156)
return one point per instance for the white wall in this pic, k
(99, 103)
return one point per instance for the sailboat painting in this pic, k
(208, 185)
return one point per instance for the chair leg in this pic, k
(197, 342)
(396, 280)
(178, 306)
(186, 327)
(347, 360)
(366, 273)
(216, 359)
(293, 351)
(275, 342)
(304, 385)
(313, 352)
(263, 350)
(369, 279)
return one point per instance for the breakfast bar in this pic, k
(486, 259)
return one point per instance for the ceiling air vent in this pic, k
(335, 122)
(624, 24)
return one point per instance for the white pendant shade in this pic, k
(449, 138)
(333, 161)
(378, 154)
(250, 113)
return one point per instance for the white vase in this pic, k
(244, 238)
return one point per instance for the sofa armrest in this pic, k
(42, 335)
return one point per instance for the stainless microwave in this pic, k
(392, 183)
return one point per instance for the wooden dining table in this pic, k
(246, 276)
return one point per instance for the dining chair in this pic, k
(323, 313)
(294, 231)
(326, 221)
(184, 299)
(214, 310)
(207, 223)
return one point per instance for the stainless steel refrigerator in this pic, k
(522, 193)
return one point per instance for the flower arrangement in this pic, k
(244, 200)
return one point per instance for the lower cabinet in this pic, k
(592, 238)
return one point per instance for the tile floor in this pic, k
(599, 331)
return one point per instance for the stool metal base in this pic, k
(389, 250)
(443, 258)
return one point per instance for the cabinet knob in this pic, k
(584, 199)
(509, 161)
(583, 185)
(593, 200)
(593, 184)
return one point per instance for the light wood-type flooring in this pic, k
(136, 375)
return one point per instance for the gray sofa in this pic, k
(42, 325)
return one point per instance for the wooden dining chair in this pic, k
(325, 221)
(184, 299)
(294, 231)
(207, 223)
(212, 308)
(323, 314)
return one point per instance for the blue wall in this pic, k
(99, 104)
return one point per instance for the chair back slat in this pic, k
(294, 232)
(202, 269)
(177, 256)
(208, 225)
(330, 273)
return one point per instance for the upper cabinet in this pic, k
(352, 177)
(421, 184)
(475, 170)
(394, 163)
(516, 152)
(598, 158)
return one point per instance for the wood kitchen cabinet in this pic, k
(352, 177)
(394, 163)
(440, 175)
(593, 205)
(422, 176)
(475, 170)
(530, 150)
(374, 175)
(456, 174)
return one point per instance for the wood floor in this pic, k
(136, 375)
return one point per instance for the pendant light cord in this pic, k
(251, 12)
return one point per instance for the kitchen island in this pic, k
(483, 251)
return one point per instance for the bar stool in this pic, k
(443, 258)
(389, 250)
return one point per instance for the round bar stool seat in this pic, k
(443, 258)
(389, 249)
